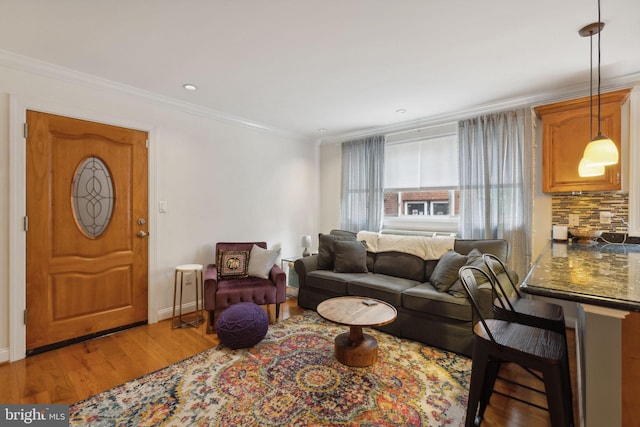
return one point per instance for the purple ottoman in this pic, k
(242, 325)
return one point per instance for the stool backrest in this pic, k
(470, 284)
(503, 298)
(491, 261)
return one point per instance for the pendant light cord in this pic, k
(591, 86)
(599, 32)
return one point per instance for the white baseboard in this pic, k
(4, 355)
(167, 313)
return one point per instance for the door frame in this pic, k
(18, 107)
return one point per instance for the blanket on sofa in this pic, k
(426, 248)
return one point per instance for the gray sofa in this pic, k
(436, 315)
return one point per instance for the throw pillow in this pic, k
(496, 266)
(261, 261)
(325, 249)
(350, 257)
(474, 258)
(232, 264)
(446, 271)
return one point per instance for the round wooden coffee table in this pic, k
(354, 348)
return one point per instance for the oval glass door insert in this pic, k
(92, 197)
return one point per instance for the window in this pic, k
(421, 178)
(416, 208)
(421, 203)
(440, 207)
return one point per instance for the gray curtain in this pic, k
(496, 188)
(362, 199)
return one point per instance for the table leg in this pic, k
(355, 348)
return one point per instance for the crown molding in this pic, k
(570, 92)
(31, 65)
(35, 66)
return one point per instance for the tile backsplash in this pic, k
(588, 207)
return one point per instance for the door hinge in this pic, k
(147, 143)
(26, 223)
(25, 316)
(26, 130)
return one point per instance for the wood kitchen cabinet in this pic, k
(565, 134)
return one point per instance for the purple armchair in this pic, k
(220, 294)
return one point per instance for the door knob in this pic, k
(142, 234)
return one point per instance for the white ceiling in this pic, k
(342, 65)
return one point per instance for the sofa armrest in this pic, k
(303, 266)
(210, 286)
(279, 278)
(211, 272)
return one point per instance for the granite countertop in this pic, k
(606, 275)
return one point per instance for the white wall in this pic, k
(222, 180)
(330, 186)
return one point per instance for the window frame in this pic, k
(439, 223)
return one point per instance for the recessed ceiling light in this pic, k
(189, 86)
(401, 111)
(322, 130)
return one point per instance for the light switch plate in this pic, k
(605, 217)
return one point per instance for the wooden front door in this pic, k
(87, 246)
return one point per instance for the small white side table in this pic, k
(292, 277)
(196, 270)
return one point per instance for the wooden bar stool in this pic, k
(497, 341)
(181, 270)
(515, 308)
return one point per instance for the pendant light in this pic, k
(601, 150)
(586, 169)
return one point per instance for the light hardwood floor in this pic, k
(78, 371)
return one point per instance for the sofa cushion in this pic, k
(399, 264)
(233, 264)
(261, 261)
(233, 291)
(350, 257)
(327, 281)
(326, 253)
(381, 286)
(426, 298)
(446, 271)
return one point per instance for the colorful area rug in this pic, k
(292, 379)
